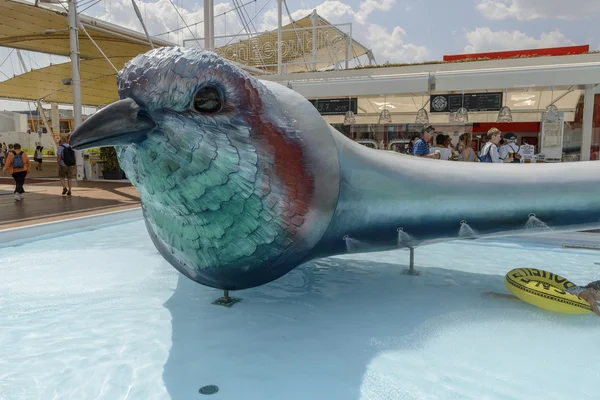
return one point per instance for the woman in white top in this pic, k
(489, 153)
(440, 146)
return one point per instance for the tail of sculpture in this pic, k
(391, 200)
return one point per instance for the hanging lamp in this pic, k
(349, 118)
(551, 114)
(422, 117)
(505, 114)
(385, 117)
(462, 115)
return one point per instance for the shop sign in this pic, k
(445, 103)
(527, 151)
(335, 106)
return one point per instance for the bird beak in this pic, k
(118, 124)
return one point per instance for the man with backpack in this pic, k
(510, 151)
(65, 155)
(489, 153)
(17, 164)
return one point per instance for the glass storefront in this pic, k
(396, 137)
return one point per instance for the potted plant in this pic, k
(110, 168)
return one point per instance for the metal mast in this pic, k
(75, 78)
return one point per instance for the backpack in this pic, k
(487, 158)
(68, 156)
(18, 160)
(515, 159)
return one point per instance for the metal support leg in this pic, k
(226, 301)
(411, 268)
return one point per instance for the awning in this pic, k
(333, 44)
(98, 83)
(44, 29)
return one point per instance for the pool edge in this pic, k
(15, 236)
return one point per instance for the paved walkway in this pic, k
(44, 203)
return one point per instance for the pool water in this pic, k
(100, 315)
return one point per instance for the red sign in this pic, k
(521, 127)
(500, 55)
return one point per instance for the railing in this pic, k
(401, 143)
(369, 143)
(303, 49)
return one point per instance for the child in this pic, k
(589, 293)
(39, 154)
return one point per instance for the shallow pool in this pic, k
(100, 315)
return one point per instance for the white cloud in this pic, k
(388, 43)
(527, 10)
(368, 6)
(392, 47)
(386, 46)
(160, 16)
(484, 39)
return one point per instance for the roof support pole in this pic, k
(348, 47)
(21, 61)
(211, 20)
(209, 32)
(313, 19)
(588, 121)
(38, 104)
(100, 50)
(75, 78)
(279, 25)
(139, 15)
(55, 121)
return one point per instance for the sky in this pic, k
(397, 31)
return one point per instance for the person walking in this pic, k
(18, 165)
(39, 157)
(2, 155)
(65, 156)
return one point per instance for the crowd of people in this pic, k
(5, 149)
(497, 149)
(17, 163)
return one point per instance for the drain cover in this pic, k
(210, 389)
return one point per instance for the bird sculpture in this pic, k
(241, 179)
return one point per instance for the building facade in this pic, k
(549, 98)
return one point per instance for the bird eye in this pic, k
(208, 100)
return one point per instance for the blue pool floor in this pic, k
(100, 315)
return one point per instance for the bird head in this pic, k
(227, 166)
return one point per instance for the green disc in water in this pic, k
(210, 389)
